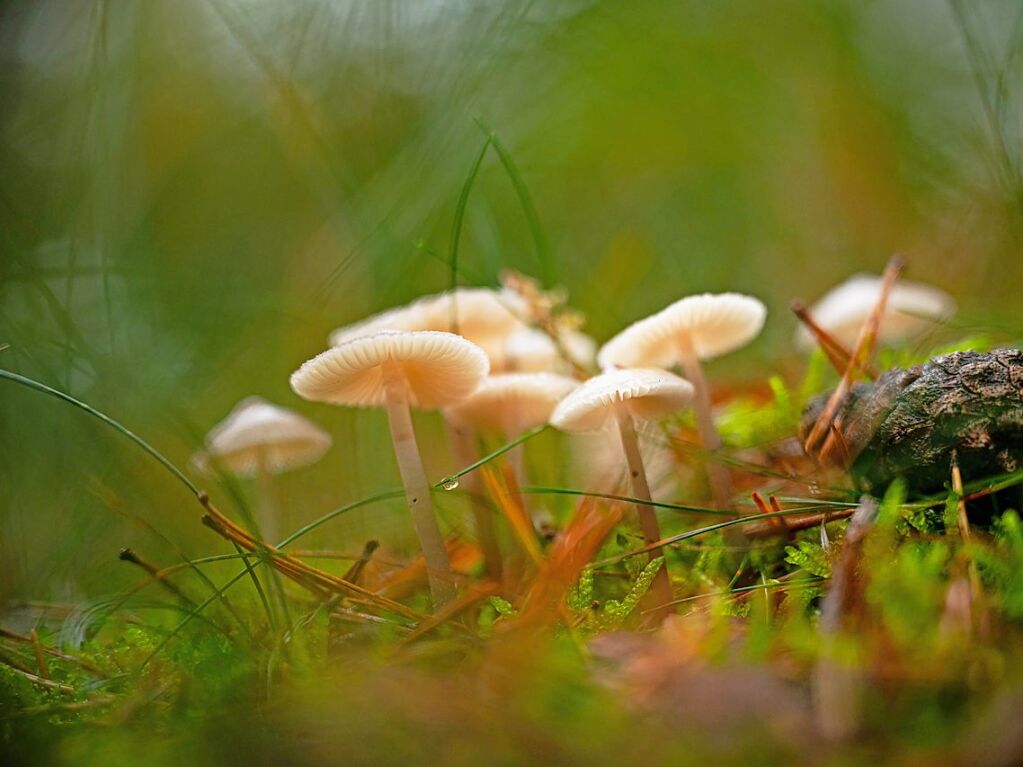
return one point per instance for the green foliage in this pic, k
(582, 596)
(1001, 566)
(502, 606)
(809, 556)
(748, 422)
(611, 613)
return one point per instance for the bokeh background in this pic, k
(193, 193)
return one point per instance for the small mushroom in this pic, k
(399, 370)
(532, 350)
(691, 329)
(511, 403)
(912, 308)
(482, 315)
(259, 439)
(508, 404)
(620, 398)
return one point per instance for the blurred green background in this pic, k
(194, 193)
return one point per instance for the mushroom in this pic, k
(691, 329)
(509, 404)
(482, 315)
(912, 308)
(399, 370)
(620, 398)
(533, 350)
(259, 439)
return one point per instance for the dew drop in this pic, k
(451, 484)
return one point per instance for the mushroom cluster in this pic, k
(499, 362)
(478, 355)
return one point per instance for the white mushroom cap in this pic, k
(482, 313)
(912, 308)
(648, 394)
(439, 369)
(580, 348)
(531, 349)
(484, 316)
(257, 432)
(523, 399)
(713, 324)
(401, 318)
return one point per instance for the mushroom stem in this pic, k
(417, 489)
(466, 454)
(516, 457)
(717, 475)
(266, 513)
(661, 587)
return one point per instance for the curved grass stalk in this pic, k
(540, 490)
(452, 479)
(543, 253)
(41, 387)
(118, 426)
(463, 201)
(697, 532)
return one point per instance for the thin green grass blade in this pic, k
(548, 271)
(539, 490)
(196, 612)
(452, 479)
(698, 532)
(463, 200)
(118, 426)
(41, 387)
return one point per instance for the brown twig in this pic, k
(5, 634)
(353, 573)
(793, 524)
(57, 708)
(44, 669)
(861, 353)
(63, 689)
(313, 579)
(833, 349)
(449, 611)
(129, 555)
(778, 523)
(974, 592)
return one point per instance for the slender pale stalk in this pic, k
(417, 488)
(466, 454)
(516, 457)
(720, 483)
(661, 587)
(266, 510)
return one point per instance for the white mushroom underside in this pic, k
(256, 431)
(482, 315)
(523, 399)
(713, 324)
(912, 308)
(647, 394)
(533, 350)
(439, 369)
